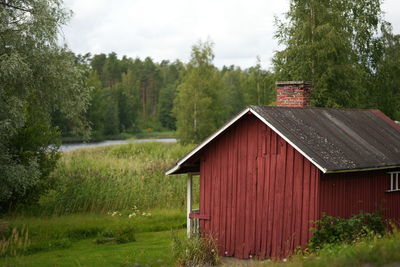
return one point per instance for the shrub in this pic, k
(195, 251)
(336, 230)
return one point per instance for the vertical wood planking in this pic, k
(260, 193)
(306, 194)
(271, 199)
(207, 187)
(235, 156)
(216, 190)
(267, 178)
(224, 193)
(288, 209)
(251, 187)
(311, 208)
(241, 207)
(358, 191)
(298, 198)
(279, 198)
(229, 190)
(248, 193)
(260, 189)
(202, 190)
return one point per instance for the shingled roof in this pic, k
(332, 139)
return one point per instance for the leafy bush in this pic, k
(59, 232)
(195, 251)
(374, 251)
(336, 230)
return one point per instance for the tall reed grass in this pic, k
(121, 177)
(14, 241)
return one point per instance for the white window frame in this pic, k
(394, 181)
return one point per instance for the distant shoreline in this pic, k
(74, 146)
(122, 136)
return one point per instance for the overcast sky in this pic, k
(240, 29)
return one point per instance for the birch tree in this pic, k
(196, 105)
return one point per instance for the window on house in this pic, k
(394, 181)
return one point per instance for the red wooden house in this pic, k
(271, 171)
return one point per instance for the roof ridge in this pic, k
(330, 108)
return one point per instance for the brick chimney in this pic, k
(293, 94)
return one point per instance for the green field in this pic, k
(110, 206)
(77, 240)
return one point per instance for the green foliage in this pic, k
(38, 79)
(331, 44)
(258, 85)
(116, 178)
(197, 103)
(376, 251)
(384, 92)
(335, 230)
(194, 251)
(133, 95)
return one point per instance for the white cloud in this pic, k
(240, 29)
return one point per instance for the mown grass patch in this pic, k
(60, 232)
(150, 249)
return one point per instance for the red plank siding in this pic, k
(345, 194)
(259, 192)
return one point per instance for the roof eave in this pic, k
(173, 170)
(363, 169)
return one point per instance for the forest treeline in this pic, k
(344, 47)
(137, 95)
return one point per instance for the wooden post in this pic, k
(189, 202)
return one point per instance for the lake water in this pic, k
(75, 146)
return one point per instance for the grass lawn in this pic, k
(70, 240)
(149, 249)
